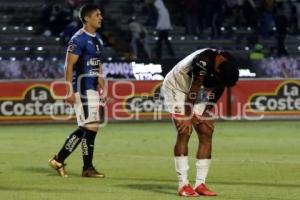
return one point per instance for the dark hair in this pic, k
(86, 10)
(229, 71)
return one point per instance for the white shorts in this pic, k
(88, 109)
(175, 102)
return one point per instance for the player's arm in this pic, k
(101, 82)
(214, 96)
(199, 69)
(73, 53)
(71, 59)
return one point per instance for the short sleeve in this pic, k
(75, 46)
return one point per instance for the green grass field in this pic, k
(251, 161)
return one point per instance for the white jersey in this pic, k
(177, 83)
(178, 77)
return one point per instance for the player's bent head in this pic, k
(86, 10)
(229, 72)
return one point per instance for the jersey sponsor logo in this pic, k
(84, 147)
(94, 72)
(93, 62)
(72, 143)
(285, 99)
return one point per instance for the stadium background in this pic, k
(258, 156)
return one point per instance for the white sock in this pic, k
(182, 168)
(202, 166)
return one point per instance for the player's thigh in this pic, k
(87, 109)
(183, 128)
(94, 126)
(204, 127)
(174, 101)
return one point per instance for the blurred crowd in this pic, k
(266, 18)
(205, 19)
(60, 17)
(283, 67)
(32, 69)
(260, 15)
(198, 15)
(219, 19)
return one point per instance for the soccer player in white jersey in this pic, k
(85, 89)
(190, 90)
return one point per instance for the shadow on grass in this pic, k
(144, 179)
(260, 184)
(45, 171)
(35, 189)
(166, 186)
(153, 187)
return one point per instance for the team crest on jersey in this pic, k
(202, 64)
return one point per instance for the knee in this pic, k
(206, 133)
(92, 127)
(182, 138)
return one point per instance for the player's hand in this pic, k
(102, 95)
(183, 125)
(206, 116)
(71, 99)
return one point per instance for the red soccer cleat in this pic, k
(203, 190)
(187, 191)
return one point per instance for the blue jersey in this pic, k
(85, 71)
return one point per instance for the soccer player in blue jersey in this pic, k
(85, 90)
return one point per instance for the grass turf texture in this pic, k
(251, 160)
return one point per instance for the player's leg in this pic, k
(174, 100)
(91, 125)
(71, 143)
(184, 131)
(204, 129)
(88, 143)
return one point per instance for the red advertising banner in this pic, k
(260, 99)
(43, 101)
(30, 101)
(141, 100)
(135, 100)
